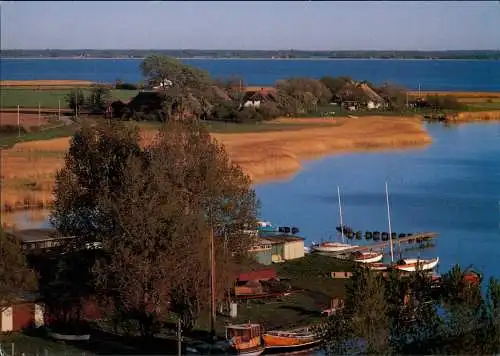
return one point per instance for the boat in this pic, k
(367, 257)
(415, 264)
(332, 246)
(378, 266)
(244, 339)
(406, 264)
(288, 341)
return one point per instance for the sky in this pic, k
(306, 25)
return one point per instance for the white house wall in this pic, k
(39, 312)
(7, 320)
(293, 250)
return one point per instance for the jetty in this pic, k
(423, 236)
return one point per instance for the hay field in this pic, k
(29, 167)
(26, 120)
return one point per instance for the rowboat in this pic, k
(378, 266)
(293, 340)
(415, 264)
(367, 257)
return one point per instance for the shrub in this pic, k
(11, 129)
(126, 86)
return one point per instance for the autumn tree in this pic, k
(154, 210)
(16, 277)
(335, 84)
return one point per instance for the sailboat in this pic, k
(407, 264)
(332, 246)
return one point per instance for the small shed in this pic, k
(40, 239)
(286, 247)
(25, 312)
(263, 251)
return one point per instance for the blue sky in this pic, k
(305, 25)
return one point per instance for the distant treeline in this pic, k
(134, 53)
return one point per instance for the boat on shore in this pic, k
(416, 264)
(290, 341)
(367, 257)
(241, 340)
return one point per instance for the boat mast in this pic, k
(340, 213)
(212, 282)
(389, 220)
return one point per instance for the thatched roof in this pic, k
(371, 94)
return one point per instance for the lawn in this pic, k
(47, 98)
(9, 140)
(32, 345)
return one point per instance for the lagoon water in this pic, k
(457, 75)
(451, 187)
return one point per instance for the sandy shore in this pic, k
(29, 168)
(474, 116)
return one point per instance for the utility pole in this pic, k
(59, 110)
(179, 337)
(18, 123)
(39, 114)
(213, 309)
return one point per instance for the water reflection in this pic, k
(27, 219)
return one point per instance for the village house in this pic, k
(254, 98)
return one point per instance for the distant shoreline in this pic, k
(261, 59)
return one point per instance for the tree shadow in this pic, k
(301, 310)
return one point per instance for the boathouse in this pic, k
(277, 249)
(40, 239)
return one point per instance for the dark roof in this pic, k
(263, 274)
(284, 238)
(260, 95)
(38, 235)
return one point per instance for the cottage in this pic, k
(250, 283)
(374, 101)
(25, 312)
(263, 251)
(256, 98)
(286, 247)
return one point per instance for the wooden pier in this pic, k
(424, 236)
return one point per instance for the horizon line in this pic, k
(250, 50)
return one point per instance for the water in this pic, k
(458, 75)
(452, 187)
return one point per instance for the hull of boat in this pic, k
(378, 267)
(252, 352)
(333, 248)
(374, 259)
(412, 265)
(282, 343)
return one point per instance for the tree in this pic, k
(364, 322)
(335, 84)
(169, 72)
(75, 100)
(15, 276)
(153, 210)
(394, 95)
(98, 99)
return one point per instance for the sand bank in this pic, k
(28, 169)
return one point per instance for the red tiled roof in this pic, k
(261, 275)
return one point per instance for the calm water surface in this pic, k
(452, 187)
(459, 75)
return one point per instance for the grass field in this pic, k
(47, 98)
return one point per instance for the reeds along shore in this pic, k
(29, 168)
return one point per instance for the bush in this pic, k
(11, 129)
(446, 102)
(126, 86)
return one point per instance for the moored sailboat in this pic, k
(332, 246)
(416, 264)
(367, 257)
